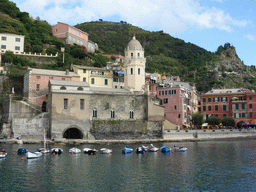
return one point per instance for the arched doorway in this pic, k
(73, 133)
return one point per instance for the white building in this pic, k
(11, 42)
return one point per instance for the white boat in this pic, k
(44, 149)
(89, 150)
(74, 150)
(105, 150)
(33, 155)
(152, 148)
(57, 150)
(180, 149)
(3, 154)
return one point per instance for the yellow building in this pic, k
(95, 77)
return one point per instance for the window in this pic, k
(3, 46)
(70, 29)
(209, 100)
(106, 82)
(80, 88)
(131, 114)
(92, 81)
(131, 71)
(165, 92)
(237, 106)
(113, 114)
(204, 99)
(174, 92)
(132, 55)
(224, 99)
(4, 38)
(216, 108)
(121, 80)
(138, 54)
(175, 106)
(250, 114)
(77, 33)
(169, 92)
(37, 87)
(250, 98)
(84, 70)
(38, 77)
(63, 88)
(166, 100)
(204, 108)
(224, 115)
(65, 103)
(243, 115)
(243, 106)
(216, 99)
(250, 106)
(18, 39)
(82, 104)
(115, 80)
(139, 71)
(209, 108)
(224, 107)
(94, 112)
(121, 87)
(84, 79)
(74, 31)
(115, 86)
(179, 116)
(162, 92)
(81, 35)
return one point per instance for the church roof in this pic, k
(134, 44)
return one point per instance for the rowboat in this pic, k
(33, 155)
(165, 149)
(89, 151)
(3, 154)
(57, 150)
(105, 150)
(74, 150)
(127, 150)
(152, 148)
(141, 150)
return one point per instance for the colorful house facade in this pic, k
(237, 103)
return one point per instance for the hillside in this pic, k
(173, 56)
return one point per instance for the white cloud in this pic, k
(172, 16)
(250, 37)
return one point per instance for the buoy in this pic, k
(188, 148)
(72, 153)
(143, 152)
(208, 146)
(13, 150)
(157, 151)
(13, 153)
(21, 158)
(53, 153)
(172, 151)
(125, 152)
(91, 153)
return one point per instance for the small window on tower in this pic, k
(139, 71)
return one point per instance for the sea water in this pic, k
(205, 166)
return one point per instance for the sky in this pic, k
(206, 23)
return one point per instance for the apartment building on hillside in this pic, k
(11, 42)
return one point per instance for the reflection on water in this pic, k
(205, 166)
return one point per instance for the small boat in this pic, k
(22, 150)
(145, 147)
(141, 150)
(89, 151)
(74, 150)
(105, 150)
(57, 150)
(180, 149)
(165, 149)
(33, 155)
(3, 154)
(2, 149)
(152, 148)
(127, 150)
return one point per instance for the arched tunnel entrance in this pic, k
(73, 133)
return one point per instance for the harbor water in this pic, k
(205, 166)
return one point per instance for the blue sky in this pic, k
(206, 23)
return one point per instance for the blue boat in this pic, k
(22, 150)
(165, 149)
(141, 150)
(127, 150)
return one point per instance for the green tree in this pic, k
(228, 121)
(213, 120)
(197, 119)
(240, 123)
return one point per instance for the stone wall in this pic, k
(208, 134)
(126, 130)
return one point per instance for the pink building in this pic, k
(36, 83)
(119, 58)
(177, 104)
(70, 35)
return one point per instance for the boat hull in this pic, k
(165, 149)
(33, 155)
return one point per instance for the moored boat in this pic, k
(43, 150)
(56, 150)
(3, 154)
(152, 148)
(180, 149)
(141, 150)
(105, 151)
(127, 150)
(165, 149)
(33, 155)
(22, 150)
(89, 151)
(74, 150)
